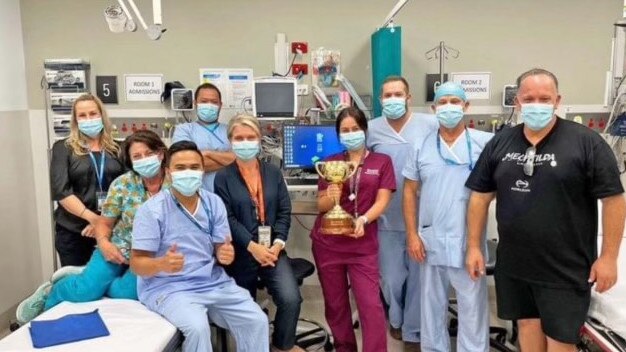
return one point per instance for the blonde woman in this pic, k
(83, 165)
(259, 215)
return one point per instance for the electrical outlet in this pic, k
(299, 47)
(297, 69)
(303, 89)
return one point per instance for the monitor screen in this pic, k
(304, 145)
(275, 98)
(508, 96)
(182, 99)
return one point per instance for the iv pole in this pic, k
(441, 52)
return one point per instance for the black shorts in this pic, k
(562, 311)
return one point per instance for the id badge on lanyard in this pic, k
(265, 236)
(265, 232)
(101, 195)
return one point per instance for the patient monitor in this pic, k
(275, 98)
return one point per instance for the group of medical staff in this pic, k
(547, 175)
(190, 229)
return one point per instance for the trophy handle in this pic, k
(317, 168)
(353, 166)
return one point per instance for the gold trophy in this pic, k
(337, 221)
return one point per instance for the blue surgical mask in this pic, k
(147, 167)
(187, 182)
(449, 115)
(91, 127)
(394, 108)
(246, 150)
(207, 112)
(352, 140)
(537, 116)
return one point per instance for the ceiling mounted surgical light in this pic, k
(119, 19)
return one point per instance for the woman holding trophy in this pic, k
(354, 189)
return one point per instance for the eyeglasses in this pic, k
(529, 160)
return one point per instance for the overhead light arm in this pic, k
(156, 12)
(138, 14)
(155, 30)
(125, 9)
(389, 19)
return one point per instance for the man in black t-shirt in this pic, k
(547, 175)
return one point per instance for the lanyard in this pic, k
(99, 174)
(354, 185)
(191, 218)
(212, 131)
(469, 151)
(257, 196)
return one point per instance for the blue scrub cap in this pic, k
(450, 88)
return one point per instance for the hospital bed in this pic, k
(605, 328)
(131, 325)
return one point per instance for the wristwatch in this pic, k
(281, 242)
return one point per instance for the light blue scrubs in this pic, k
(442, 172)
(399, 274)
(206, 139)
(202, 287)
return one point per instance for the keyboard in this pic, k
(299, 181)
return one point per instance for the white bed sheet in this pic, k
(131, 325)
(609, 308)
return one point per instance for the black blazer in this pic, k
(230, 186)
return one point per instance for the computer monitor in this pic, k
(304, 145)
(275, 98)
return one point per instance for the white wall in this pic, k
(20, 256)
(572, 38)
(12, 67)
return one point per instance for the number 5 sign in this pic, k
(106, 89)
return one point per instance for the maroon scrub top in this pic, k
(376, 173)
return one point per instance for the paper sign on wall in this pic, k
(234, 84)
(143, 87)
(477, 85)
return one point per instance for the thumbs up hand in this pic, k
(225, 252)
(172, 261)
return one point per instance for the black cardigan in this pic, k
(230, 186)
(75, 175)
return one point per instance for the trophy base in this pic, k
(343, 226)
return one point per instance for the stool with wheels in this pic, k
(310, 335)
